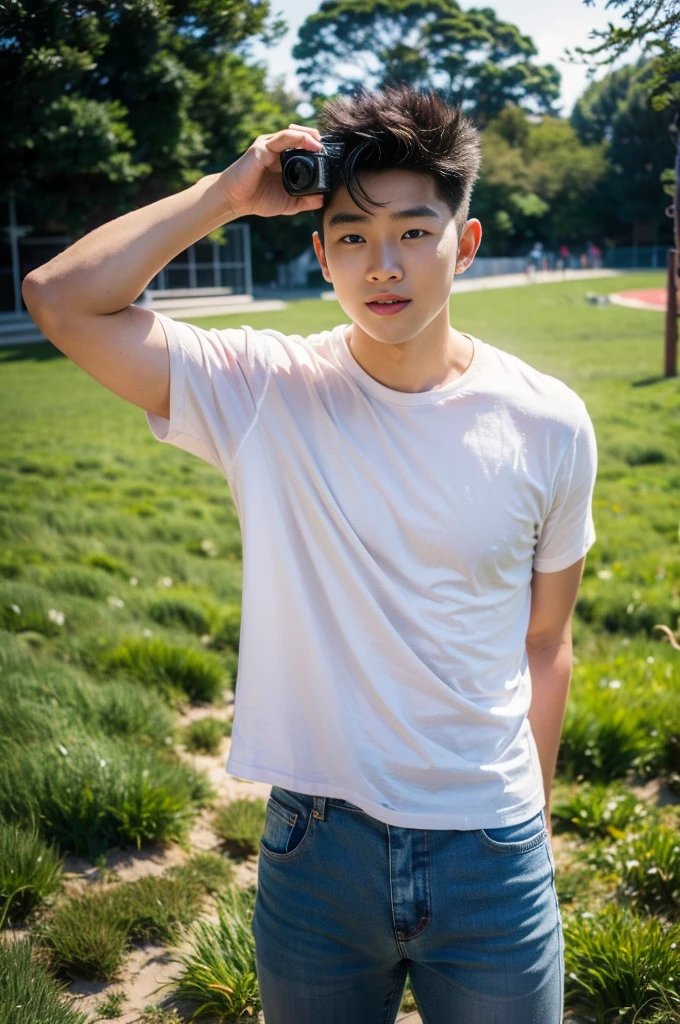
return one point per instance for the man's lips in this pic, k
(391, 304)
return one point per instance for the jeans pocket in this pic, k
(288, 825)
(519, 838)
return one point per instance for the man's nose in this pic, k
(384, 266)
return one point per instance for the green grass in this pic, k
(88, 935)
(218, 974)
(239, 824)
(29, 993)
(30, 871)
(120, 594)
(205, 735)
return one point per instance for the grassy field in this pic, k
(120, 589)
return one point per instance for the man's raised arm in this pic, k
(82, 299)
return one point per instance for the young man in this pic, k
(415, 506)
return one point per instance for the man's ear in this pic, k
(321, 256)
(469, 244)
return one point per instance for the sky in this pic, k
(552, 24)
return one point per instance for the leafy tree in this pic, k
(654, 24)
(537, 181)
(470, 57)
(111, 104)
(639, 149)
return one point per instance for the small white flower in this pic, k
(650, 659)
(206, 638)
(586, 914)
(116, 602)
(673, 945)
(56, 616)
(62, 750)
(168, 740)
(605, 574)
(614, 684)
(102, 763)
(209, 548)
(625, 641)
(654, 732)
(133, 581)
(147, 632)
(165, 581)
(16, 609)
(652, 871)
(632, 864)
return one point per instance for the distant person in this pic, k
(536, 255)
(416, 509)
(563, 257)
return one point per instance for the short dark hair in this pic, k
(400, 127)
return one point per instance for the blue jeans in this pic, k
(347, 905)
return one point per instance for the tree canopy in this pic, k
(471, 57)
(114, 103)
(537, 182)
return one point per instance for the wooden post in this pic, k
(670, 362)
(671, 359)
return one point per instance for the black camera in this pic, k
(306, 173)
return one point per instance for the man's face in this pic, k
(390, 250)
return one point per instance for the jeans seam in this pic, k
(558, 926)
(394, 986)
(400, 948)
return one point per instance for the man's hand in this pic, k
(252, 184)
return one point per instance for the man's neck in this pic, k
(432, 359)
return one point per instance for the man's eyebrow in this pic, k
(362, 218)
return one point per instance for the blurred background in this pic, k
(110, 106)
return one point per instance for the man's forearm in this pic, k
(550, 671)
(107, 269)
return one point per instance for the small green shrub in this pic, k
(650, 870)
(86, 937)
(204, 735)
(154, 909)
(84, 582)
(596, 809)
(100, 560)
(30, 871)
(111, 1007)
(91, 796)
(619, 966)
(29, 994)
(211, 872)
(157, 1015)
(218, 974)
(25, 608)
(226, 628)
(179, 673)
(240, 825)
(175, 611)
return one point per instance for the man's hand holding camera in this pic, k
(253, 185)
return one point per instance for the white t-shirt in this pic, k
(388, 544)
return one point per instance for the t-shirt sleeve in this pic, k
(569, 531)
(218, 379)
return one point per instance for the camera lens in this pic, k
(299, 172)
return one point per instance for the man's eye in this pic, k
(361, 239)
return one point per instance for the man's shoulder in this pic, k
(541, 393)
